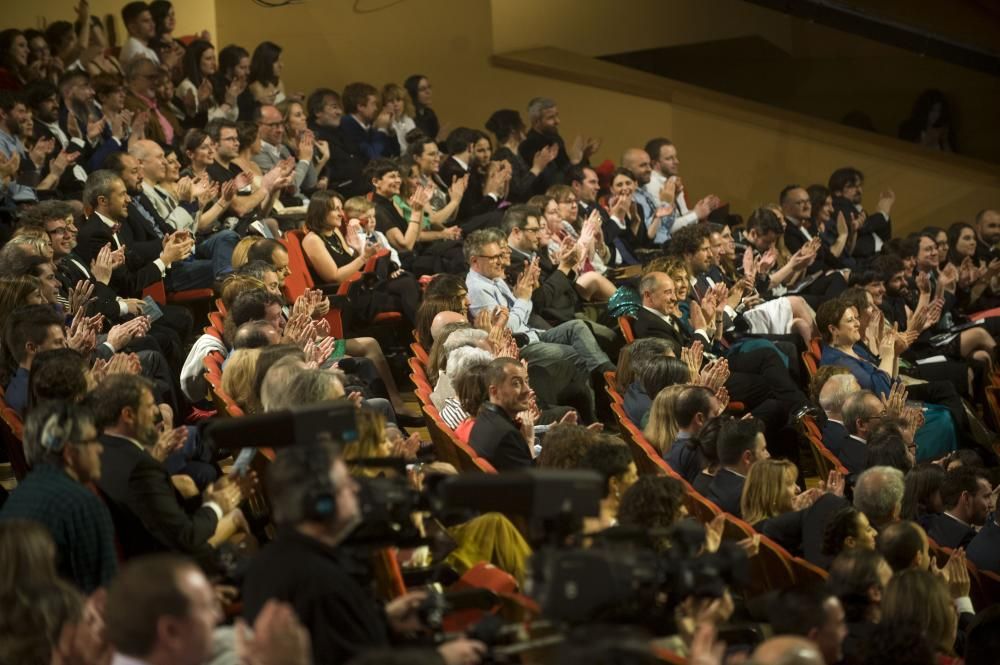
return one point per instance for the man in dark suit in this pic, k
(847, 187)
(861, 411)
(497, 436)
(740, 444)
(965, 495)
(904, 545)
(556, 300)
(796, 208)
(987, 235)
(150, 514)
(366, 130)
(344, 170)
(802, 531)
(543, 114)
(984, 550)
(586, 186)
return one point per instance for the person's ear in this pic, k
(747, 457)
(850, 542)
(874, 594)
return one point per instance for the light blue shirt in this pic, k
(8, 146)
(486, 293)
(647, 207)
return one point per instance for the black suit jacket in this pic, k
(984, 550)
(850, 452)
(452, 169)
(148, 512)
(949, 532)
(95, 234)
(105, 300)
(647, 324)
(726, 490)
(142, 244)
(555, 301)
(801, 531)
(875, 224)
(344, 169)
(367, 144)
(498, 439)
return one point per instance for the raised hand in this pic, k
(885, 201)
(95, 128)
(835, 483)
(544, 157)
(458, 187)
(169, 442)
(895, 402)
(692, 357)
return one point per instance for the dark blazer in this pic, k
(801, 531)
(555, 300)
(498, 439)
(148, 512)
(449, 169)
(647, 324)
(726, 490)
(850, 452)
(344, 169)
(105, 300)
(142, 244)
(95, 234)
(368, 144)
(825, 260)
(984, 550)
(949, 532)
(875, 224)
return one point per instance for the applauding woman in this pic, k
(337, 249)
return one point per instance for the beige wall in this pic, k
(193, 16)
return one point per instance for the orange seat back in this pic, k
(625, 323)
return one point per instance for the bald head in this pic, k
(444, 318)
(637, 161)
(787, 650)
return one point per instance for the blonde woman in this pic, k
(769, 490)
(661, 430)
(238, 376)
(397, 101)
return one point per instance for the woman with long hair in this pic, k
(559, 218)
(296, 129)
(848, 529)
(232, 97)
(265, 74)
(920, 599)
(199, 149)
(14, 73)
(445, 197)
(661, 429)
(978, 282)
(769, 490)
(338, 248)
(922, 492)
(195, 91)
(424, 117)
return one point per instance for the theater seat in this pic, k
(158, 292)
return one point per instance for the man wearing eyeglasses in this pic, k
(274, 150)
(571, 340)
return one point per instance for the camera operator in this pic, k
(315, 506)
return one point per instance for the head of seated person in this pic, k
(838, 323)
(522, 224)
(426, 313)
(313, 386)
(472, 387)
(662, 371)
(831, 388)
(966, 493)
(922, 493)
(29, 331)
(741, 444)
(64, 435)
(124, 405)
(859, 577)
(507, 386)
(238, 375)
(276, 365)
(814, 613)
(848, 530)
(634, 358)
(659, 292)
(878, 493)
(886, 446)
(564, 446)
(60, 374)
(450, 337)
(19, 291)
(769, 490)
(161, 608)
(661, 427)
(273, 253)
(763, 228)
(904, 545)
(861, 411)
(693, 246)
(256, 334)
(920, 599)
(447, 286)
(653, 503)
(255, 305)
(612, 460)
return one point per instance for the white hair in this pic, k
(463, 337)
(835, 392)
(463, 358)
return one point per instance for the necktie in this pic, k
(149, 218)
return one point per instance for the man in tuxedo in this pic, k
(846, 186)
(796, 208)
(496, 435)
(149, 512)
(832, 397)
(659, 299)
(105, 194)
(740, 444)
(862, 410)
(987, 235)
(694, 407)
(458, 146)
(965, 495)
(366, 129)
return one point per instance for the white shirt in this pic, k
(684, 217)
(135, 49)
(110, 223)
